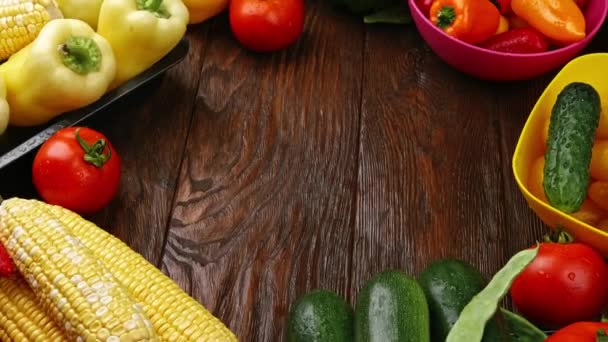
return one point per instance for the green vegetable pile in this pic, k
(449, 301)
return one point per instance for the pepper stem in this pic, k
(445, 16)
(154, 6)
(81, 55)
(600, 335)
(94, 154)
(558, 236)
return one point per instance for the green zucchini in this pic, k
(574, 121)
(449, 285)
(522, 330)
(320, 316)
(391, 307)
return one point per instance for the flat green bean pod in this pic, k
(472, 320)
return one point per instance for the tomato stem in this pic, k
(558, 236)
(94, 154)
(601, 335)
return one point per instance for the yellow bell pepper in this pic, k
(503, 25)
(85, 10)
(201, 10)
(68, 66)
(4, 112)
(141, 32)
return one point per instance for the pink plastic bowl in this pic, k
(500, 66)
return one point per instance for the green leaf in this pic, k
(398, 14)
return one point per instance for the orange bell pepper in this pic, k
(562, 21)
(471, 21)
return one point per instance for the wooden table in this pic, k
(251, 179)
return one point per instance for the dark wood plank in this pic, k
(264, 208)
(430, 168)
(150, 130)
(513, 104)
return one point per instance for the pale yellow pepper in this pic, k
(141, 32)
(68, 66)
(85, 10)
(201, 10)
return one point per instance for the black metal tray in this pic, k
(17, 142)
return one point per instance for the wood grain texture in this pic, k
(513, 103)
(149, 129)
(430, 184)
(264, 209)
(251, 179)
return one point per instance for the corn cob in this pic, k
(21, 318)
(71, 285)
(21, 21)
(174, 314)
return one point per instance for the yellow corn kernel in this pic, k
(21, 318)
(21, 21)
(174, 314)
(79, 293)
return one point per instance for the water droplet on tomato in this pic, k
(571, 276)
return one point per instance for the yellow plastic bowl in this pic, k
(592, 69)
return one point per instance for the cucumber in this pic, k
(572, 127)
(320, 316)
(449, 285)
(391, 307)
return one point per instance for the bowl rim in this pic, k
(519, 146)
(580, 44)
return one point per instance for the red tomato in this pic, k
(266, 25)
(578, 332)
(77, 168)
(564, 284)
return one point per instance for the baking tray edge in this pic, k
(73, 118)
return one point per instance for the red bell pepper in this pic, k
(580, 332)
(519, 40)
(7, 268)
(504, 6)
(582, 4)
(424, 6)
